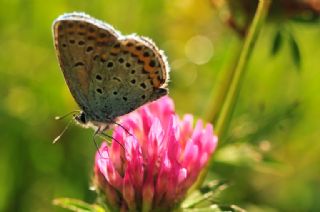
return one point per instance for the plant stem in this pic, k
(237, 78)
(235, 86)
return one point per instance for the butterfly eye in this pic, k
(81, 118)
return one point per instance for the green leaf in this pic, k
(295, 52)
(277, 43)
(77, 205)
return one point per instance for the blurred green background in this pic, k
(270, 157)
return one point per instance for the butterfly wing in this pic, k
(134, 73)
(78, 40)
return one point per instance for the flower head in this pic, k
(159, 162)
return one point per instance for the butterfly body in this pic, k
(108, 74)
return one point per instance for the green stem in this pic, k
(235, 86)
(237, 78)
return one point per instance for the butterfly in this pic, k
(108, 74)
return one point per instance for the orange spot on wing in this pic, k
(156, 83)
(156, 78)
(114, 51)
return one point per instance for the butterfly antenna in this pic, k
(63, 131)
(68, 114)
(125, 129)
(112, 138)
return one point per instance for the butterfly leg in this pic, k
(96, 132)
(118, 124)
(112, 138)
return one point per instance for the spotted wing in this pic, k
(133, 73)
(79, 39)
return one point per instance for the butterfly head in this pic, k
(84, 120)
(81, 118)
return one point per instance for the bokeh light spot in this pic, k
(199, 49)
